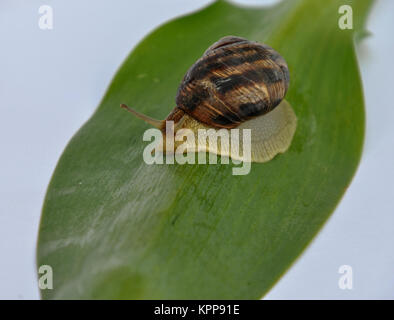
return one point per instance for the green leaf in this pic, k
(115, 227)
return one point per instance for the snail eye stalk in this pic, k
(154, 122)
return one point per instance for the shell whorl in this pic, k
(235, 80)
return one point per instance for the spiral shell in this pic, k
(235, 80)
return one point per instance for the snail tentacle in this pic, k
(154, 122)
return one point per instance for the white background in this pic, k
(51, 82)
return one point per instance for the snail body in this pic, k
(236, 84)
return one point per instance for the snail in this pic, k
(238, 84)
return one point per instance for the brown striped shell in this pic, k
(234, 81)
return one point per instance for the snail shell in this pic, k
(234, 81)
(236, 84)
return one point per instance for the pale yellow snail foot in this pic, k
(271, 134)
